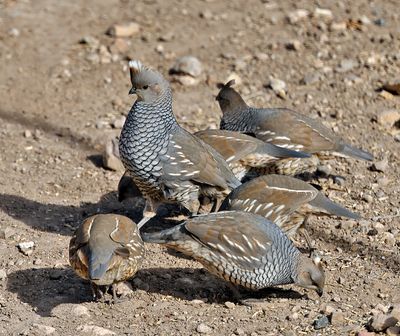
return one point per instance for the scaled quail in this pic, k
(281, 126)
(106, 249)
(244, 249)
(284, 200)
(167, 163)
(249, 157)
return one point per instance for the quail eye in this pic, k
(145, 87)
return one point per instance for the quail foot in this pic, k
(106, 249)
(244, 249)
(167, 163)
(281, 126)
(246, 154)
(284, 200)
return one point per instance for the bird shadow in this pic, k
(45, 288)
(197, 283)
(64, 219)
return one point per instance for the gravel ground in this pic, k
(63, 93)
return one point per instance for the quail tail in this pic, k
(281, 152)
(325, 203)
(357, 153)
(98, 265)
(164, 236)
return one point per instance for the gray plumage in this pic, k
(167, 163)
(281, 126)
(244, 249)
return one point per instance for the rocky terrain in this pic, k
(64, 88)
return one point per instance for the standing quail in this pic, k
(250, 157)
(167, 163)
(284, 200)
(244, 249)
(281, 126)
(106, 249)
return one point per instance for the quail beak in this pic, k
(320, 291)
(217, 98)
(132, 90)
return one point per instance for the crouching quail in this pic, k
(284, 200)
(281, 126)
(167, 163)
(244, 249)
(106, 249)
(249, 157)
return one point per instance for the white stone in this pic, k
(95, 330)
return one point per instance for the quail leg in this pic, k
(216, 205)
(96, 292)
(148, 213)
(303, 230)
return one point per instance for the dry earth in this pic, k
(60, 99)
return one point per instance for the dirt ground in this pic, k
(60, 98)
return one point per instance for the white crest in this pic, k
(136, 66)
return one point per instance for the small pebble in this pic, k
(321, 322)
(311, 78)
(124, 30)
(368, 198)
(278, 86)
(382, 321)
(337, 318)
(203, 328)
(42, 329)
(95, 330)
(297, 15)
(27, 134)
(119, 122)
(323, 13)
(187, 65)
(347, 65)
(111, 156)
(26, 247)
(388, 118)
(14, 32)
(124, 289)
(80, 311)
(3, 274)
(229, 305)
(186, 80)
(6, 233)
(380, 166)
(294, 45)
(239, 331)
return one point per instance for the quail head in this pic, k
(284, 200)
(106, 249)
(249, 157)
(167, 163)
(281, 126)
(244, 249)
